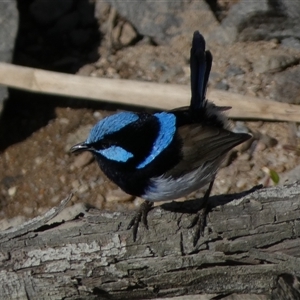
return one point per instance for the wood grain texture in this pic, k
(140, 93)
(250, 250)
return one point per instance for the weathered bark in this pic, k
(251, 246)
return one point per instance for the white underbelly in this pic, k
(163, 189)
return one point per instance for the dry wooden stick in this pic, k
(148, 94)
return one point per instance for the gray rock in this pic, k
(9, 20)
(240, 15)
(290, 7)
(163, 20)
(234, 70)
(257, 20)
(291, 43)
(222, 85)
(215, 77)
(285, 87)
(46, 12)
(9, 26)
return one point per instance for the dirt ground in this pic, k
(37, 170)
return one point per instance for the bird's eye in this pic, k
(105, 144)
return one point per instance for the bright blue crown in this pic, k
(110, 125)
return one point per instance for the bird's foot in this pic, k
(140, 215)
(200, 219)
(199, 222)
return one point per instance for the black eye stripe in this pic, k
(106, 144)
(102, 144)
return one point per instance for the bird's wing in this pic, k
(203, 144)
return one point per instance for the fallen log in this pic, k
(250, 250)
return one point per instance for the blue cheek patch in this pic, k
(110, 125)
(116, 153)
(167, 122)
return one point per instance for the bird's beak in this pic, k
(80, 147)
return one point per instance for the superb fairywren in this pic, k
(166, 155)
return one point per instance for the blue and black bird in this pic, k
(169, 154)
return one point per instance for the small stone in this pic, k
(99, 201)
(28, 210)
(12, 191)
(83, 188)
(111, 72)
(244, 156)
(244, 166)
(170, 73)
(214, 76)
(222, 85)
(268, 140)
(93, 185)
(75, 184)
(97, 115)
(128, 34)
(138, 201)
(234, 70)
(241, 183)
(86, 70)
(54, 199)
(82, 160)
(38, 160)
(62, 179)
(63, 121)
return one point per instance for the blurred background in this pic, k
(256, 50)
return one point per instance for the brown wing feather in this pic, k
(202, 144)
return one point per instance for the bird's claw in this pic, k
(140, 215)
(199, 221)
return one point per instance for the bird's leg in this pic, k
(200, 218)
(140, 215)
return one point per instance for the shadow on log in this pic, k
(250, 250)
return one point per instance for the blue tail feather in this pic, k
(200, 64)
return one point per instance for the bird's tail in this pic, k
(200, 64)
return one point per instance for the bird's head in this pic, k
(130, 139)
(105, 141)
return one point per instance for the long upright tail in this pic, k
(200, 64)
